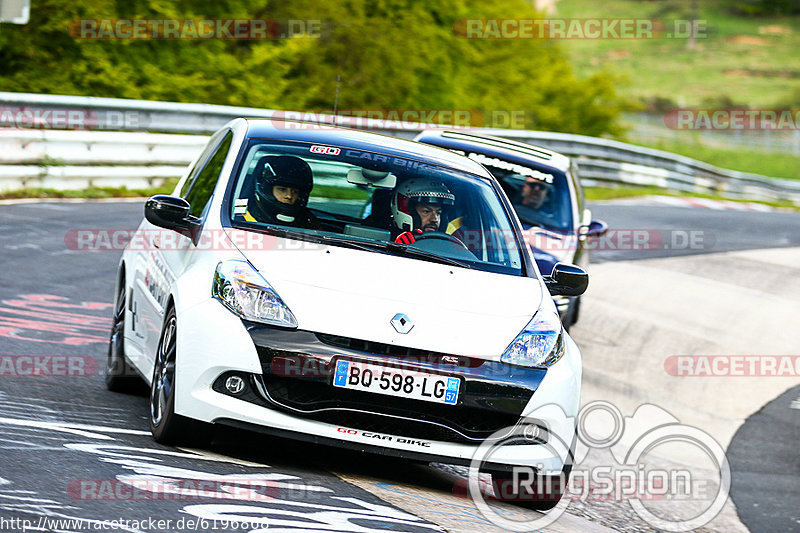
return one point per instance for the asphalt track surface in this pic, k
(764, 455)
(685, 231)
(71, 449)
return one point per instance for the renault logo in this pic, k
(402, 323)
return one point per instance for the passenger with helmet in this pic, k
(283, 184)
(419, 205)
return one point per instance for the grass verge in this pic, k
(773, 164)
(91, 192)
(739, 60)
(608, 193)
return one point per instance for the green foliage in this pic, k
(45, 57)
(792, 101)
(760, 8)
(341, 193)
(389, 54)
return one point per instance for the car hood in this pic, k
(355, 293)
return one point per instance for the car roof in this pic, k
(496, 147)
(336, 136)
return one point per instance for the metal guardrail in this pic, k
(91, 142)
(78, 159)
(637, 165)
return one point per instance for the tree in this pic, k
(389, 54)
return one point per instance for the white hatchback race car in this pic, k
(348, 289)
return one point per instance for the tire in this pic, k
(166, 426)
(555, 486)
(573, 311)
(120, 375)
(545, 495)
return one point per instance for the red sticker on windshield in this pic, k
(327, 150)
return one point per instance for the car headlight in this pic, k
(244, 291)
(541, 343)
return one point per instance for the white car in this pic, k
(349, 289)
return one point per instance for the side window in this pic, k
(576, 179)
(200, 193)
(212, 143)
(191, 177)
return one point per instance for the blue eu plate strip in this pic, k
(340, 377)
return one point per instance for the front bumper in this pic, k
(284, 398)
(297, 369)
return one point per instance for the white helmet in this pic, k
(417, 191)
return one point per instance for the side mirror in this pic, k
(171, 212)
(596, 228)
(567, 280)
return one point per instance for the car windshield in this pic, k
(539, 197)
(374, 202)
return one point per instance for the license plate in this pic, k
(392, 381)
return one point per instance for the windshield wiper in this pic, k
(394, 248)
(313, 237)
(422, 254)
(352, 243)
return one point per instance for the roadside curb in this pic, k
(702, 203)
(17, 201)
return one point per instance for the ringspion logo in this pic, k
(637, 472)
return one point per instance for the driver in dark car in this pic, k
(535, 201)
(418, 205)
(534, 193)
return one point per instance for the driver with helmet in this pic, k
(283, 184)
(418, 205)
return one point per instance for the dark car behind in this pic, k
(558, 225)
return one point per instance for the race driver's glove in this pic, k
(408, 237)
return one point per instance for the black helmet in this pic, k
(287, 171)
